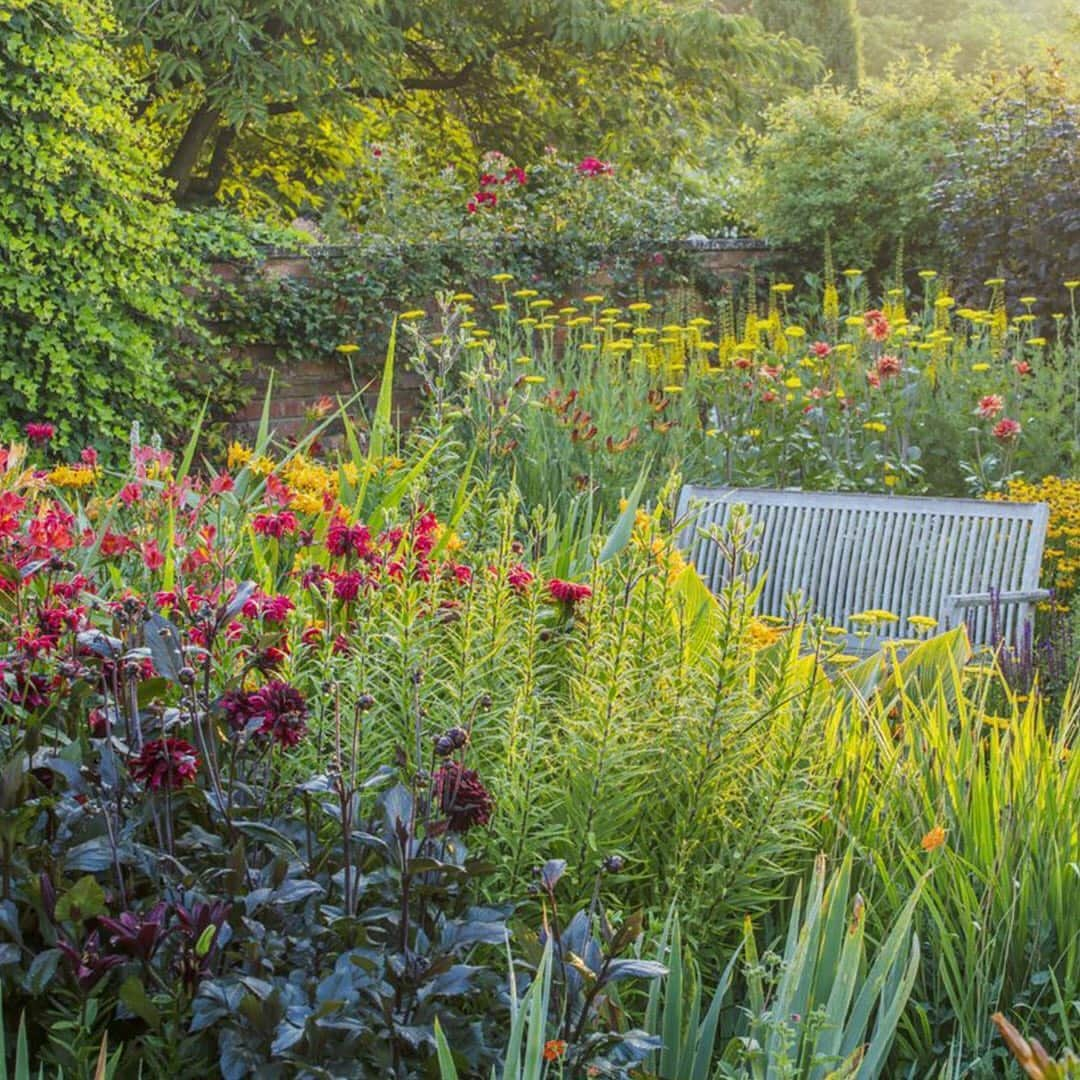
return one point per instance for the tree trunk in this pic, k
(186, 155)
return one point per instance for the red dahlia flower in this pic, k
(990, 405)
(283, 712)
(462, 797)
(1006, 430)
(164, 763)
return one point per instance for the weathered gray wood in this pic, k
(950, 559)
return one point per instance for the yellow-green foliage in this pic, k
(87, 272)
(857, 166)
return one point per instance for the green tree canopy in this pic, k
(233, 86)
(832, 27)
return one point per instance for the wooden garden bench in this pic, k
(949, 559)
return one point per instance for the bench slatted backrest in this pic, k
(848, 553)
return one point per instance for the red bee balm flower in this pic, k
(164, 763)
(463, 799)
(39, 432)
(1006, 430)
(519, 578)
(568, 592)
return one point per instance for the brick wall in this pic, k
(299, 385)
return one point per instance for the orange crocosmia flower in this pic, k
(554, 1049)
(933, 839)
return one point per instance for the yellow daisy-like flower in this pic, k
(874, 425)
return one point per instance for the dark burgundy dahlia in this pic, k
(462, 797)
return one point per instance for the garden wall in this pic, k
(300, 383)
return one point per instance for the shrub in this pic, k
(856, 166)
(1009, 196)
(90, 275)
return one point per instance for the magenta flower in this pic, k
(39, 432)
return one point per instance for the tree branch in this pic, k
(435, 82)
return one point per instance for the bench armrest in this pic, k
(986, 599)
